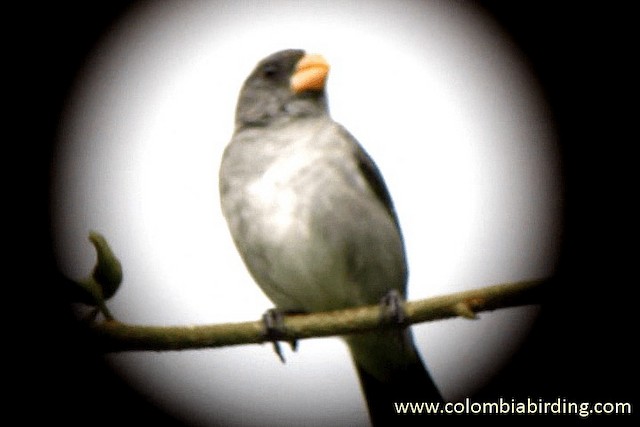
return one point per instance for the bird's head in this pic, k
(286, 84)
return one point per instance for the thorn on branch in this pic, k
(463, 309)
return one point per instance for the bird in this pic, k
(314, 222)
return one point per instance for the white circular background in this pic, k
(435, 92)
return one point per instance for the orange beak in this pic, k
(310, 74)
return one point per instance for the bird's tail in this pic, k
(390, 371)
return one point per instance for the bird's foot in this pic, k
(392, 308)
(275, 331)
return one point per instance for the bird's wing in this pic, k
(372, 174)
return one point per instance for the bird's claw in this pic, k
(275, 331)
(392, 307)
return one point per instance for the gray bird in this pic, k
(314, 222)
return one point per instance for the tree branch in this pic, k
(112, 335)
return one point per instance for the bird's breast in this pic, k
(280, 200)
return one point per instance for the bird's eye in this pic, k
(270, 70)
